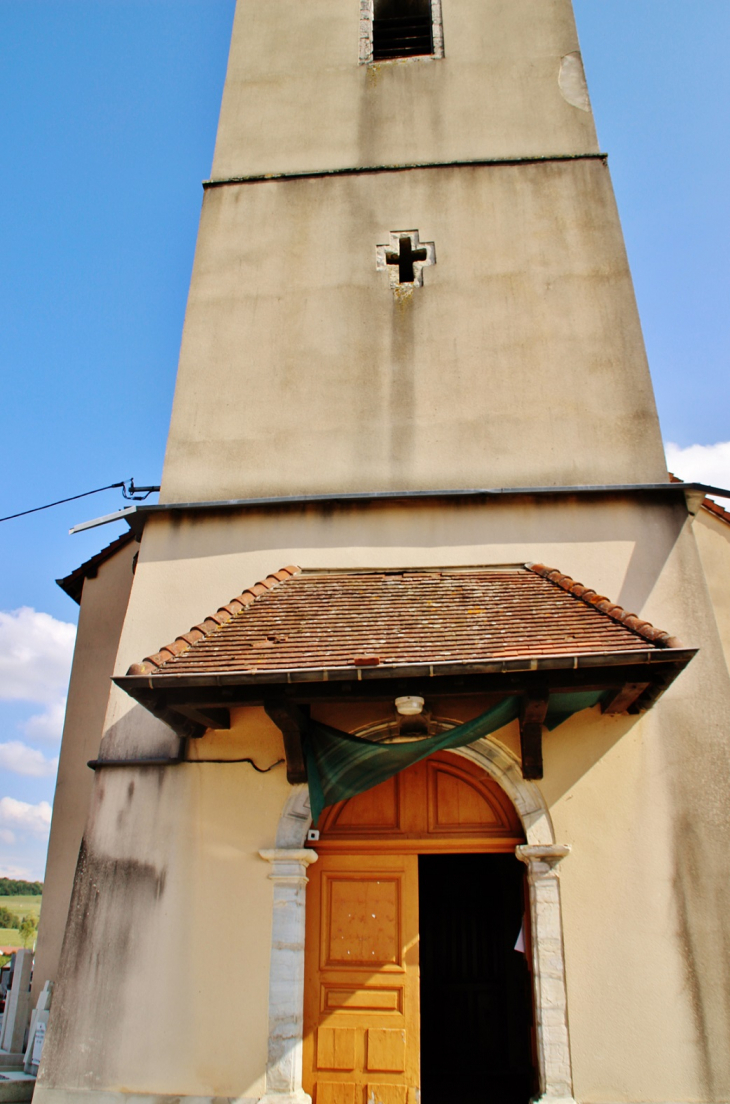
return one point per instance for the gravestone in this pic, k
(37, 1032)
(17, 1005)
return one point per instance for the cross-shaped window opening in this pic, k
(404, 259)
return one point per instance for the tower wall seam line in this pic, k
(364, 170)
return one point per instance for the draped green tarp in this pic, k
(340, 765)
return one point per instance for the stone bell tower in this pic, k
(411, 377)
(410, 273)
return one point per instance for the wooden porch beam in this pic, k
(621, 697)
(207, 715)
(533, 711)
(290, 719)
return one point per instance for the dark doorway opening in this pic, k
(476, 998)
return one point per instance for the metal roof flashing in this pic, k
(135, 516)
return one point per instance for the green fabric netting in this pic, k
(340, 765)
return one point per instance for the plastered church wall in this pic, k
(641, 801)
(103, 606)
(530, 295)
(524, 334)
(713, 541)
(165, 968)
(296, 99)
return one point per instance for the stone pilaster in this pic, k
(548, 963)
(286, 979)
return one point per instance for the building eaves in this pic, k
(73, 584)
(716, 509)
(707, 503)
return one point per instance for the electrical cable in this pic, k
(175, 761)
(260, 770)
(135, 494)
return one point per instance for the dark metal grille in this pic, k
(407, 36)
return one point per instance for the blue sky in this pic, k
(109, 109)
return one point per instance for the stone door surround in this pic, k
(541, 854)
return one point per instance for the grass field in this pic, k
(20, 907)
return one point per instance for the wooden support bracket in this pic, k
(621, 697)
(533, 711)
(291, 720)
(208, 716)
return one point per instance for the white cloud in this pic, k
(35, 655)
(6, 836)
(700, 463)
(21, 759)
(20, 872)
(35, 663)
(47, 725)
(19, 816)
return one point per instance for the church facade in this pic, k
(432, 797)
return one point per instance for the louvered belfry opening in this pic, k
(402, 28)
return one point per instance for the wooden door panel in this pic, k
(465, 803)
(386, 1049)
(372, 999)
(336, 1048)
(361, 990)
(336, 1092)
(386, 1094)
(381, 813)
(361, 920)
(444, 802)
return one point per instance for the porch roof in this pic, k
(304, 635)
(324, 620)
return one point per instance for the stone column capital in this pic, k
(541, 859)
(289, 864)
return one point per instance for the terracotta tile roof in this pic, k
(73, 584)
(716, 509)
(296, 620)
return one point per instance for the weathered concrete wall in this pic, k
(103, 606)
(302, 372)
(713, 541)
(297, 100)
(645, 903)
(642, 801)
(164, 979)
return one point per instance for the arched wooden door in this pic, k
(361, 1014)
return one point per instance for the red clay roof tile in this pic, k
(334, 619)
(716, 509)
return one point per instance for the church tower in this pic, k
(412, 410)
(313, 361)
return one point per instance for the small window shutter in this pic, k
(402, 28)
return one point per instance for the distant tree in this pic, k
(28, 928)
(8, 919)
(15, 887)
